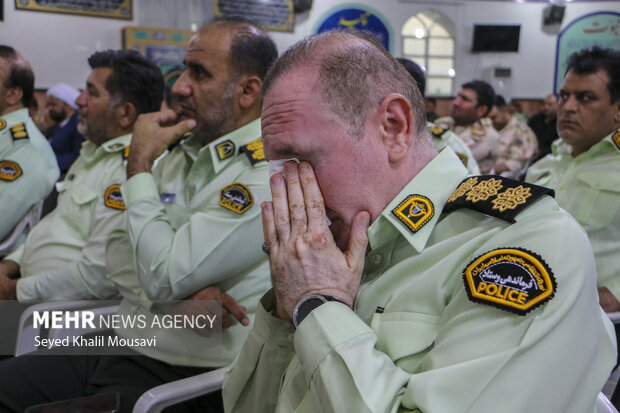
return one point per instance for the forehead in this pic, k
(98, 77)
(210, 46)
(470, 94)
(53, 100)
(596, 82)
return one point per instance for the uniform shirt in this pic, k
(481, 138)
(28, 168)
(445, 137)
(588, 187)
(196, 222)
(64, 255)
(416, 342)
(517, 144)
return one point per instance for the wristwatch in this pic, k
(307, 304)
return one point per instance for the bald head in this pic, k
(355, 73)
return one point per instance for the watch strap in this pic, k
(309, 303)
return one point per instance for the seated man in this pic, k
(64, 136)
(584, 166)
(64, 255)
(468, 120)
(430, 291)
(517, 142)
(543, 124)
(441, 137)
(28, 167)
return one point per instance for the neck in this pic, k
(11, 109)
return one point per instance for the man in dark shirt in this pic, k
(543, 125)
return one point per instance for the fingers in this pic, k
(229, 305)
(269, 226)
(280, 208)
(314, 205)
(296, 202)
(359, 241)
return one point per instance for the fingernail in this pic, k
(276, 179)
(245, 321)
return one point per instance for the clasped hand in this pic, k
(303, 256)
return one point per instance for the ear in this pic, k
(249, 90)
(481, 110)
(617, 113)
(396, 126)
(126, 115)
(14, 95)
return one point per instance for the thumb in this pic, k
(182, 127)
(358, 241)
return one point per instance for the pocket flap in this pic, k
(597, 180)
(83, 195)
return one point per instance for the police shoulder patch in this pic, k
(415, 211)
(9, 170)
(254, 151)
(18, 131)
(225, 149)
(478, 131)
(616, 139)
(497, 196)
(513, 279)
(113, 197)
(236, 197)
(2, 124)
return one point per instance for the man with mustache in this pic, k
(28, 167)
(387, 309)
(584, 166)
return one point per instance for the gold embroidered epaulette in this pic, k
(494, 195)
(436, 131)
(616, 139)
(254, 151)
(18, 131)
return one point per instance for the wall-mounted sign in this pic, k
(596, 29)
(164, 47)
(358, 17)
(269, 14)
(117, 9)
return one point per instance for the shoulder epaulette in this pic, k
(494, 195)
(126, 153)
(616, 139)
(254, 151)
(18, 131)
(436, 131)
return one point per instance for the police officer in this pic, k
(584, 166)
(468, 120)
(430, 291)
(28, 168)
(517, 142)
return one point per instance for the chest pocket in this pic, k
(599, 202)
(405, 337)
(82, 199)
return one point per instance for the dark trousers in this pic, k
(35, 379)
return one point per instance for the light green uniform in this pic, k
(445, 137)
(415, 341)
(588, 187)
(186, 234)
(28, 168)
(64, 255)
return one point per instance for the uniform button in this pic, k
(377, 259)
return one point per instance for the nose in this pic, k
(182, 86)
(569, 104)
(81, 99)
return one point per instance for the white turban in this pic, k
(64, 92)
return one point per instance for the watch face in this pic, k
(306, 306)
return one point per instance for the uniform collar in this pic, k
(435, 183)
(560, 147)
(20, 115)
(91, 152)
(224, 149)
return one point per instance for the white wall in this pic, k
(58, 45)
(532, 67)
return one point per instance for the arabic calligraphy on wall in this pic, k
(361, 18)
(596, 29)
